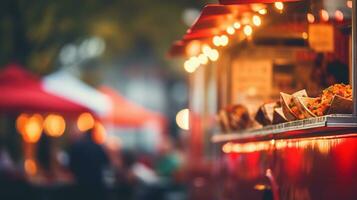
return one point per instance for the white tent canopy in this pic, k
(67, 86)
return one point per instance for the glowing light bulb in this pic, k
(54, 125)
(237, 25)
(324, 15)
(231, 30)
(21, 123)
(224, 40)
(99, 133)
(256, 20)
(279, 6)
(216, 41)
(305, 35)
(33, 129)
(310, 18)
(339, 15)
(349, 4)
(182, 119)
(85, 122)
(263, 11)
(248, 30)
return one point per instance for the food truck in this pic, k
(272, 100)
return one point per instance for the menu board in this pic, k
(321, 37)
(251, 78)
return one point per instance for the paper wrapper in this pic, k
(278, 116)
(265, 114)
(340, 105)
(301, 103)
(285, 101)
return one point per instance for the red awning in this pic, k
(230, 2)
(21, 91)
(128, 114)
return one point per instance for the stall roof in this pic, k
(22, 91)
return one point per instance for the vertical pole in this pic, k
(354, 56)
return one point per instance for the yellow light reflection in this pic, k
(85, 122)
(30, 167)
(54, 125)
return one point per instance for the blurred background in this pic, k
(88, 100)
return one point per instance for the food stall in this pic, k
(272, 110)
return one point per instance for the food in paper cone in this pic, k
(265, 114)
(336, 99)
(290, 109)
(278, 116)
(302, 104)
(234, 118)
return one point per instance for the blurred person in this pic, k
(88, 161)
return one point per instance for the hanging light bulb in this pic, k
(203, 59)
(206, 49)
(263, 11)
(248, 30)
(231, 30)
(216, 41)
(256, 20)
(339, 15)
(224, 40)
(237, 25)
(213, 55)
(324, 15)
(279, 6)
(310, 18)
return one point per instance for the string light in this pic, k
(263, 11)
(231, 30)
(206, 49)
(237, 25)
(33, 128)
(203, 59)
(182, 119)
(192, 64)
(256, 20)
(324, 15)
(339, 15)
(85, 122)
(216, 41)
(310, 18)
(248, 30)
(54, 125)
(305, 35)
(21, 123)
(224, 40)
(279, 5)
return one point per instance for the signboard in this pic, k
(321, 37)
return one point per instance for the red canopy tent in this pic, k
(229, 2)
(128, 114)
(21, 91)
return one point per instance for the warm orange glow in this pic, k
(310, 18)
(54, 125)
(33, 129)
(279, 6)
(349, 4)
(182, 119)
(256, 20)
(237, 25)
(193, 48)
(324, 15)
(339, 15)
(231, 30)
(206, 49)
(263, 11)
(21, 123)
(227, 148)
(85, 122)
(246, 147)
(30, 167)
(248, 30)
(99, 133)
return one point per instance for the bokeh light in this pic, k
(182, 119)
(310, 18)
(33, 128)
(279, 6)
(30, 167)
(256, 20)
(99, 133)
(21, 123)
(54, 125)
(248, 30)
(85, 122)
